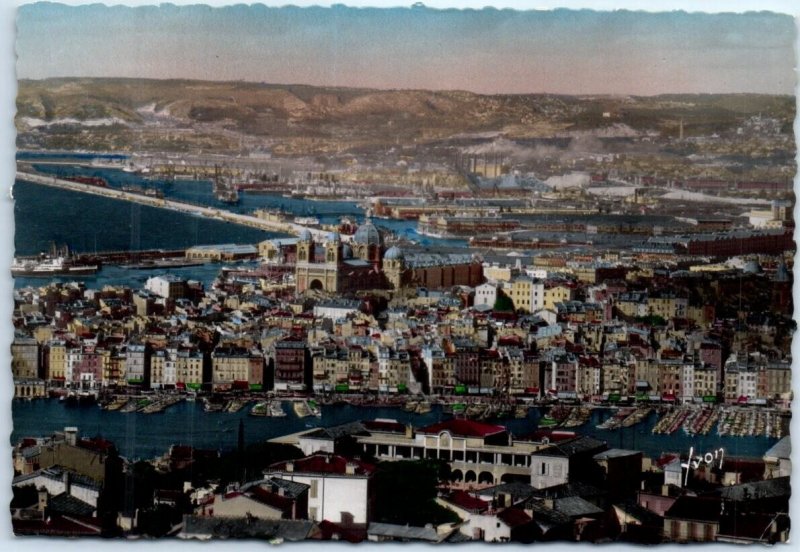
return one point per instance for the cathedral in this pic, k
(364, 263)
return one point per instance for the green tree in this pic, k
(406, 492)
(503, 303)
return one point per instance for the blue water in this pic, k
(145, 436)
(87, 223)
(200, 192)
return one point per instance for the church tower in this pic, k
(394, 266)
(305, 246)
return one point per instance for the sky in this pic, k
(485, 51)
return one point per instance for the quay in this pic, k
(169, 204)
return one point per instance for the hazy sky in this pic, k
(570, 52)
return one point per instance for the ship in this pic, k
(59, 263)
(88, 180)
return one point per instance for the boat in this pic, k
(163, 263)
(423, 407)
(88, 180)
(59, 263)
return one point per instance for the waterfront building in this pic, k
(163, 368)
(292, 364)
(84, 368)
(229, 368)
(189, 368)
(56, 363)
(479, 454)
(24, 358)
(394, 370)
(440, 367)
(137, 364)
(278, 250)
(224, 252)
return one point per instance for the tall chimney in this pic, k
(65, 477)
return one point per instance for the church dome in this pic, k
(394, 252)
(368, 234)
(305, 235)
(334, 237)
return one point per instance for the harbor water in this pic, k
(140, 435)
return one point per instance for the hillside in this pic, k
(319, 117)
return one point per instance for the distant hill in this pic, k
(363, 116)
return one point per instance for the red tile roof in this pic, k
(464, 428)
(464, 500)
(325, 464)
(514, 517)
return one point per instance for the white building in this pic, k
(554, 465)
(485, 295)
(340, 490)
(167, 286)
(57, 481)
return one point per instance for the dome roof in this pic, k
(368, 234)
(394, 252)
(305, 235)
(334, 237)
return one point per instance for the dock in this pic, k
(172, 205)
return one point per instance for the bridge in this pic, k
(172, 205)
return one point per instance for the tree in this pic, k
(406, 492)
(503, 303)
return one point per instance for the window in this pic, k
(543, 470)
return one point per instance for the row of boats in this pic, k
(735, 422)
(305, 408)
(625, 417)
(478, 411)
(739, 422)
(270, 409)
(145, 405)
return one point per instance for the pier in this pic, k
(172, 205)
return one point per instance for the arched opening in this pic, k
(456, 475)
(316, 285)
(469, 477)
(514, 478)
(485, 477)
